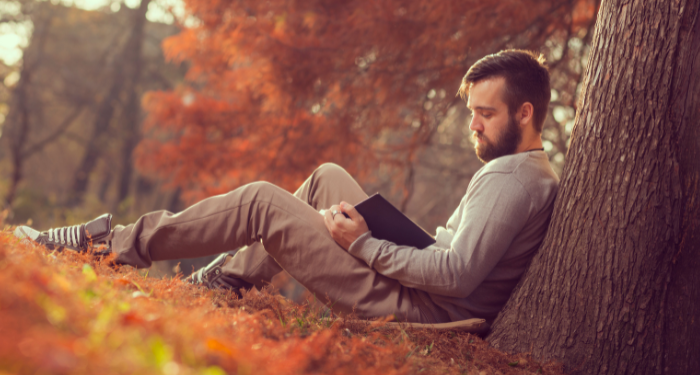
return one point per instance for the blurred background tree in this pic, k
(71, 113)
(249, 90)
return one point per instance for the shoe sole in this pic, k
(26, 233)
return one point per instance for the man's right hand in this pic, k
(345, 230)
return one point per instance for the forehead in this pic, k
(487, 93)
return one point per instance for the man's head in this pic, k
(508, 93)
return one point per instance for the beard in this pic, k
(505, 143)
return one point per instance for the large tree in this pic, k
(615, 288)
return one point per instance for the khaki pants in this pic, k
(282, 232)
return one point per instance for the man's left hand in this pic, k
(345, 230)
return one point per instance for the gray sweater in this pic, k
(482, 252)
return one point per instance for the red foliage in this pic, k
(276, 88)
(69, 313)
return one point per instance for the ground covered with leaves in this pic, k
(70, 313)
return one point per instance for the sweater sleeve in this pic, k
(495, 210)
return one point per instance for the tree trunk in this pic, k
(22, 126)
(123, 65)
(19, 118)
(615, 287)
(132, 116)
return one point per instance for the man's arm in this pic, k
(496, 209)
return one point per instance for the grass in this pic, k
(70, 313)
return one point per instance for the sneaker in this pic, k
(96, 234)
(212, 276)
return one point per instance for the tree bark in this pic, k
(615, 287)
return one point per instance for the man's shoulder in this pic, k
(530, 170)
(524, 166)
(504, 164)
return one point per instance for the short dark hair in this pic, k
(526, 76)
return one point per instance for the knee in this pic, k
(326, 169)
(259, 189)
(262, 186)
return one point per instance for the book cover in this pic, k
(388, 223)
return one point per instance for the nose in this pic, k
(475, 124)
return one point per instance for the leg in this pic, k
(293, 234)
(329, 184)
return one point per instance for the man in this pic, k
(469, 272)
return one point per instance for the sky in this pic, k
(14, 37)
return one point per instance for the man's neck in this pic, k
(530, 145)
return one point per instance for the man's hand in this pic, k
(343, 230)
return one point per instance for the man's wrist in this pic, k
(363, 249)
(360, 240)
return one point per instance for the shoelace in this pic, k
(71, 235)
(197, 277)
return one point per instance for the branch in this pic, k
(53, 136)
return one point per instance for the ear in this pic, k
(526, 113)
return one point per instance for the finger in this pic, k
(339, 217)
(351, 211)
(328, 226)
(330, 216)
(328, 219)
(335, 208)
(331, 224)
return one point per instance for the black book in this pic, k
(388, 223)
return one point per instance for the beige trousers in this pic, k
(282, 232)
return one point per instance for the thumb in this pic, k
(351, 211)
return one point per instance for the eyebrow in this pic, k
(482, 108)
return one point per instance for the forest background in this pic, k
(130, 107)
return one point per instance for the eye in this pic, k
(486, 116)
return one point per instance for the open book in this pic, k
(388, 223)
